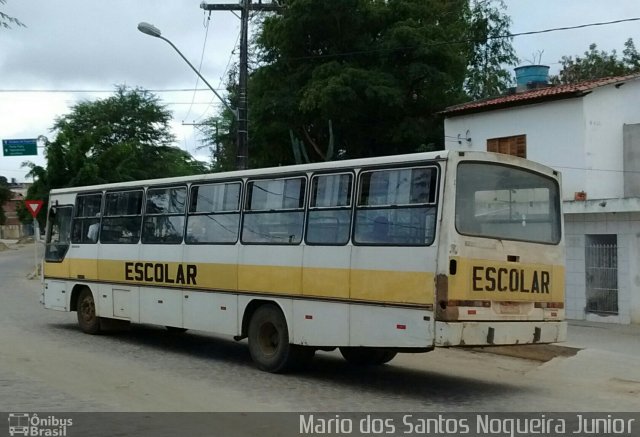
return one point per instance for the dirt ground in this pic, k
(536, 352)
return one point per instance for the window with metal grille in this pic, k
(515, 145)
(601, 268)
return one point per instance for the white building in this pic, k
(591, 133)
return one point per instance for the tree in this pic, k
(338, 79)
(5, 196)
(6, 21)
(124, 137)
(218, 136)
(218, 133)
(490, 51)
(595, 64)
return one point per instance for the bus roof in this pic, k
(440, 155)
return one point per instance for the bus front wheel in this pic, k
(367, 356)
(88, 321)
(269, 342)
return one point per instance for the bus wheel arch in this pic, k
(269, 341)
(75, 293)
(85, 307)
(248, 314)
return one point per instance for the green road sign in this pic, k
(20, 147)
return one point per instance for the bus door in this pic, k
(213, 223)
(119, 254)
(161, 253)
(273, 216)
(326, 261)
(393, 260)
(56, 266)
(85, 232)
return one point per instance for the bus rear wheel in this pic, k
(269, 342)
(88, 321)
(367, 356)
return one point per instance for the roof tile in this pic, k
(532, 96)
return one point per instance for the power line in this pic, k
(204, 45)
(172, 90)
(579, 26)
(226, 69)
(98, 91)
(242, 108)
(464, 41)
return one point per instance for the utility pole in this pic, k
(244, 6)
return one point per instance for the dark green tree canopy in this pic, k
(124, 137)
(595, 64)
(340, 79)
(5, 196)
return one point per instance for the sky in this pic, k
(73, 46)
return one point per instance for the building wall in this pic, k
(626, 226)
(554, 130)
(583, 138)
(606, 110)
(13, 228)
(631, 158)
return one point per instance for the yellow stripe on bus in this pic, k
(365, 285)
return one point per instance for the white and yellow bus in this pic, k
(373, 256)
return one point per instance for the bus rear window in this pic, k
(496, 201)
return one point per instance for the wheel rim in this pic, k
(268, 339)
(87, 309)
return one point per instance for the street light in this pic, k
(152, 30)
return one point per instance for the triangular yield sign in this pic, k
(33, 206)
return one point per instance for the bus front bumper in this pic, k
(450, 334)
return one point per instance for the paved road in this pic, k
(47, 364)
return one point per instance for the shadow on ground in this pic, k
(232, 362)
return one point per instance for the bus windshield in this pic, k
(497, 201)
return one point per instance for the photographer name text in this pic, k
(480, 425)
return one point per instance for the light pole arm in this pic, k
(226, 105)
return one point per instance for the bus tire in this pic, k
(367, 356)
(175, 330)
(269, 342)
(88, 321)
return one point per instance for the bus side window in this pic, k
(396, 207)
(86, 223)
(214, 213)
(122, 218)
(274, 211)
(164, 215)
(329, 218)
(58, 233)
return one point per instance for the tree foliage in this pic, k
(338, 79)
(490, 51)
(5, 196)
(595, 64)
(124, 137)
(6, 21)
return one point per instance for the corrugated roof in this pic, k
(537, 95)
